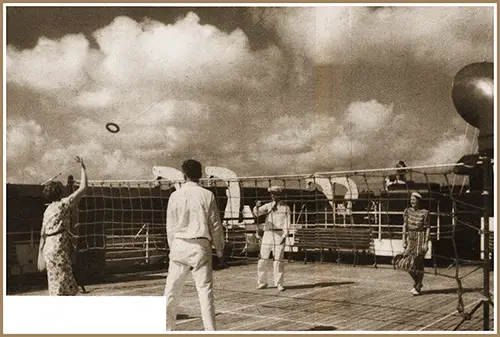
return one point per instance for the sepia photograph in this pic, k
(264, 167)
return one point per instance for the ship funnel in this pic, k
(473, 96)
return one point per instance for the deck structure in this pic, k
(318, 297)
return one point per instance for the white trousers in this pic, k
(271, 243)
(194, 255)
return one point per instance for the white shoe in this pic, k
(415, 292)
(280, 287)
(261, 286)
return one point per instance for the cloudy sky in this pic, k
(257, 90)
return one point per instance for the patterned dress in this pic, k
(417, 222)
(56, 247)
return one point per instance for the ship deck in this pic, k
(323, 297)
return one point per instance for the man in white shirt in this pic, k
(193, 226)
(275, 234)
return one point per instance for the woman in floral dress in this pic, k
(416, 233)
(56, 242)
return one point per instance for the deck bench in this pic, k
(340, 239)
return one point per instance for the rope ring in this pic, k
(112, 127)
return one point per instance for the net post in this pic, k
(379, 220)
(147, 243)
(486, 162)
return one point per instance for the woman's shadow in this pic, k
(450, 291)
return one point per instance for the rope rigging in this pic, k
(317, 222)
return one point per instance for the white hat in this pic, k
(275, 189)
(416, 195)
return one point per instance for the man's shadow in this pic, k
(317, 285)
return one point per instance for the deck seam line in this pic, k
(445, 317)
(265, 317)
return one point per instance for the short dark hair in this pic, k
(192, 169)
(53, 191)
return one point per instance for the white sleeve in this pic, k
(171, 219)
(264, 209)
(215, 226)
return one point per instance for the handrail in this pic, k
(300, 175)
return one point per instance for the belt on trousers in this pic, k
(274, 230)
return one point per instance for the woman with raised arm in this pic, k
(55, 240)
(416, 235)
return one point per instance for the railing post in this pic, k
(486, 235)
(226, 229)
(454, 216)
(380, 220)
(438, 222)
(326, 220)
(147, 244)
(334, 212)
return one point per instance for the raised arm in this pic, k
(76, 195)
(41, 264)
(215, 226)
(260, 209)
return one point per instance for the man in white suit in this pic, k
(193, 226)
(275, 233)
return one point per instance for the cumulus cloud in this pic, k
(147, 60)
(173, 89)
(39, 164)
(345, 35)
(182, 57)
(294, 135)
(365, 135)
(51, 65)
(449, 149)
(186, 89)
(23, 138)
(359, 134)
(368, 116)
(95, 99)
(25, 141)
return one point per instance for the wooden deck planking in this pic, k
(331, 296)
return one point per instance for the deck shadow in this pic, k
(317, 285)
(321, 328)
(449, 291)
(129, 278)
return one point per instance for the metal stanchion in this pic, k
(486, 235)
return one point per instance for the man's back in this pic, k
(192, 213)
(193, 224)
